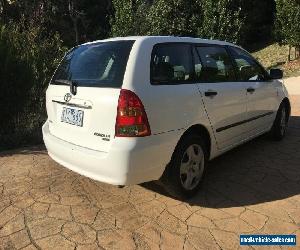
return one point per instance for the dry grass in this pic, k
(276, 56)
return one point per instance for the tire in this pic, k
(184, 174)
(280, 124)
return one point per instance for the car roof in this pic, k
(166, 39)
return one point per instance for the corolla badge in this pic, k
(68, 97)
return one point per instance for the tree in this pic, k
(90, 19)
(169, 17)
(76, 21)
(208, 19)
(288, 24)
(28, 59)
(221, 20)
(129, 17)
(258, 22)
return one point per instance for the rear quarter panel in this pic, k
(171, 109)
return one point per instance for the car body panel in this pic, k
(171, 111)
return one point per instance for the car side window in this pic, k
(247, 67)
(171, 64)
(216, 65)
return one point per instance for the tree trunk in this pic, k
(297, 52)
(3, 5)
(75, 25)
(289, 57)
(74, 18)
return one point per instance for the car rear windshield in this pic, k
(94, 65)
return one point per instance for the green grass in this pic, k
(276, 56)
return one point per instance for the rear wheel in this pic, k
(187, 167)
(280, 124)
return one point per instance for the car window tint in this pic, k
(95, 65)
(217, 66)
(248, 68)
(171, 63)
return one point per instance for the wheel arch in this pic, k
(200, 130)
(196, 129)
(287, 102)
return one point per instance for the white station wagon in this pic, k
(128, 110)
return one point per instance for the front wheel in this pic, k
(187, 167)
(281, 122)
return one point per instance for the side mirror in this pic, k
(276, 74)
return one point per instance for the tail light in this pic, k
(131, 119)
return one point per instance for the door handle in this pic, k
(250, 90)
(210, 93)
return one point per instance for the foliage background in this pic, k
(34, 35)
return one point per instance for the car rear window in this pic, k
(94, 65)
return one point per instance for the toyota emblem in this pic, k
(68, 97)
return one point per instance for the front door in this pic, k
(223, 97)
(261, 93)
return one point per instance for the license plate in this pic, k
(72, 116)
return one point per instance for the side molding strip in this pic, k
(242, 122)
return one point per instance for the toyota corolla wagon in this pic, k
(129, 110)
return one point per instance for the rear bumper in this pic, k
(129, 160)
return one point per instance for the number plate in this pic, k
(72, 116)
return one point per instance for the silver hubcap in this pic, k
(283, 121)
(192, 167)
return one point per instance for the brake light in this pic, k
(131, 119)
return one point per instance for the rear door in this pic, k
(261, 93)
(173, 97)
(83, 94)
(223, 97)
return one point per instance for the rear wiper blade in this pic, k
(73, 85)
(63, 82)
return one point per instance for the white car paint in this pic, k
(171, 111)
